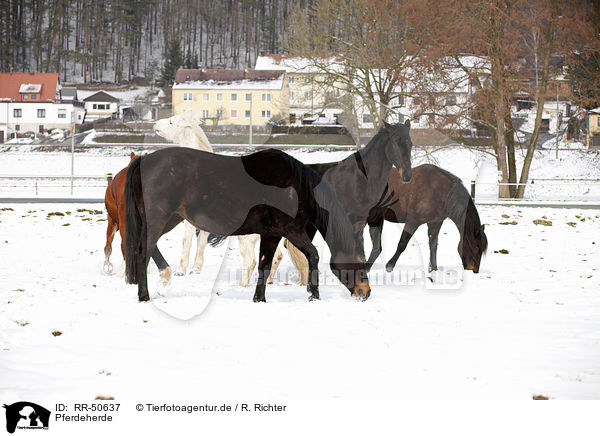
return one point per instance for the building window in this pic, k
(33, 97)
(219, 114)
(17, 127)
(291, 95)
(233, 97)
(291, 79)
(367, 118)
(41, 128)
(62, 113)
(401, 101)
(187, 96)
(307, 80)
(266, 114)
(94, 106)
(266, 97)
(247, 114)
(308, 95)
(41, 113)
(248, 97)
(204, 113)
(598, 121)
(17, 113)
(233, 113)
(451, 100)
(25, 97)
(205, 96)
(220, 96)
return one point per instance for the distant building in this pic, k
(308, 98)
(234, 97)
(100, 105)
(34, 102)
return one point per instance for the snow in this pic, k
(235, 84)
(125, 95)
(527, 324)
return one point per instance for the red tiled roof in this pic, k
(222, 75)
(11, 82)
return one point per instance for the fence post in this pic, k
(473, 189)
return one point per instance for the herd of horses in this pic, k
(269, 195)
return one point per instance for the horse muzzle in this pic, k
(362, 291)
(405, 174)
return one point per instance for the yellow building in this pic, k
(308, 96)
(593, 136)
(232, 96)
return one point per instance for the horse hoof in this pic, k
(259, 300)
(313, 298)
(108, 268)
(389, 267)
(179, 273)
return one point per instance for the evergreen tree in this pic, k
(172, 63)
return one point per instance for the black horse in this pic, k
(361, 180)
(268, 192)
(432, 196)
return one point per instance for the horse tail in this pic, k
(216, 240)
(134, 221)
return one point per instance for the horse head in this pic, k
(184, 129)
(473, 248)
(399, 147)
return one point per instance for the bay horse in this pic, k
(268, 192)
(432, 195)
(361, 180)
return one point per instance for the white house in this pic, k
(32, 102)
(100, 105)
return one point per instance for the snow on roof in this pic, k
(595, 111)
(228, 79)
(295, 64)
(33, 88)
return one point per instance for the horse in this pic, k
(361, 180)
(268, 192)
(432, 196)
(185, 129)
(114, 200)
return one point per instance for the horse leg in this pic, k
(246, 244)
(276, 261)
(163, 267)
(375, 231)
(110, 235)
(303, 243)
(407, 232)
(299, 261)
(433, 231)
(268, 245)
(185, 249)
(201, 243)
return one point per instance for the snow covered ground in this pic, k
(527, 324)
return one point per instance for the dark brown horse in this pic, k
(432, 195)
(114, 200)
(267, 192)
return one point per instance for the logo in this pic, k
(26, 415)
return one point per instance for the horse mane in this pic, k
(327, 213)
(461, 209)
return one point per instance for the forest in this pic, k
(118, 40)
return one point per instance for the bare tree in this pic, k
(365, 48)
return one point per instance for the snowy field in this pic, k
(528, 324)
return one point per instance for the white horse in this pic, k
(185, 129)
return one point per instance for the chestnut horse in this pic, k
(114, 200)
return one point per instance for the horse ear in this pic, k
(407, 123)
(387, 125)
(132, 155)
(483, 227)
